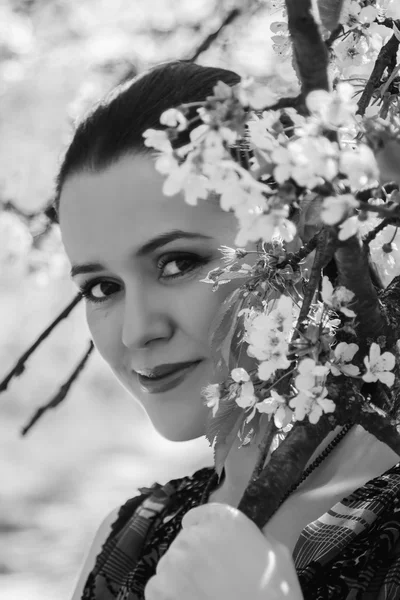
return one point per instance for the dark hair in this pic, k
(114, 127)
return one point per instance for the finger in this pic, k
(206, 513)
(176, 587)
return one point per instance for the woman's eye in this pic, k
(172, 267)
(93, 291)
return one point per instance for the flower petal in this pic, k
(239, 375)
(327, 290)
(266, 369)
(374, 353)
(327, 405)
(266, 406)
(315, 414)
(350, 370)
(386, 377)
(386, 362)
(347, 312)
(369, 376)
(306, 366)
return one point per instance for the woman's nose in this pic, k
(145, 318)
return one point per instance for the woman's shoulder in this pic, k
(113, 522)
(117, 519)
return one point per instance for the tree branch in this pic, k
(309, 50)
(263, 496)
(325, 248)
(385, 57)
(351, 258)
(62, 392)
(20, 366)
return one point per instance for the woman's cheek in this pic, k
(103, 333)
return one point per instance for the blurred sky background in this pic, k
(90, 454)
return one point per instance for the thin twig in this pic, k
(9, 206)
(205, 44)
(382, 210)
(371, 235)
(62, 392)
(20, 366)
(336, 33)
(294, 259)
(287, 102)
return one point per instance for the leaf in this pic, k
(218, 427)
(329, 13)
(223, 327)
(222, 429)
(222, 449)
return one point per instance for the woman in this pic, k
(138, 257)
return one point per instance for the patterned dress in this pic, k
(352, 552)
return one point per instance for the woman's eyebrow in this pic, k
(144, 250)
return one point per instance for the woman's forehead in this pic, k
(125, 201)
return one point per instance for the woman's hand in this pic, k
(220, 554)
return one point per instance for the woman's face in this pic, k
(150, 253)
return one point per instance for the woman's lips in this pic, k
(167, 382)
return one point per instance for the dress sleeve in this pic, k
(126, 511)
(103, 540)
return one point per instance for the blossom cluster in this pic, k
(299, 155)
(268, 335)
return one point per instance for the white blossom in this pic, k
(379, 366)
(16, 239)
(211, 393)
(158, 139)
(255, 96)
(335, 208)
(174, 118)
(340, 363)
(268, 334)
(245, 397)
(333, 109)
(367, 14)
(312, 403)
(276, 405)
(310, 374)
(183, 177)
(261, 133)
(391, 8)
(255, 226)
(336, 299)
(308, 160)
(359, 165)
(240, 375)
(351, 51)
(350, 227)
(276, 361)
